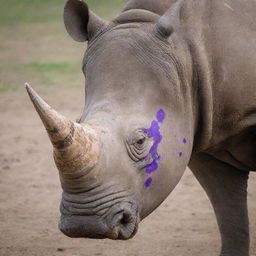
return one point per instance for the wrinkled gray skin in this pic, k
(196, 61)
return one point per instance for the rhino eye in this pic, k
(138, 145)
(141, 141)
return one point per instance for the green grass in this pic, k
(34, 45)
(6, 87)
(29, 11)
(56, 67)
(14, 12)
(47, 73)
(106, 9)
(53, 72)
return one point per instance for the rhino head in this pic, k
(134, 139)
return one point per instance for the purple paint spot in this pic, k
(184, 141)
(153, 165)
(160, 115)
(147, 158)
(148, 182)
(154, 132)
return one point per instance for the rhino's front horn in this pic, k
(76, 146)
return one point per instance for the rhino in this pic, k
(169, 84)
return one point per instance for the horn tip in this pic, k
(32, 94)
(27, 86)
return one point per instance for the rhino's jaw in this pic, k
(119, 222)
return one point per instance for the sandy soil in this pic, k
(30, 194)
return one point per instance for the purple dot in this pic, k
(184, 141)
(148, 182)
(180, 154)
(160, 115)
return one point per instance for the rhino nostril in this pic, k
(126, 218)
(122, 222)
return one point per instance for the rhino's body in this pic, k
(169, 84)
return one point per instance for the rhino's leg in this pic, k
(226, 187)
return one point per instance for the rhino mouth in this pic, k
(119, 223)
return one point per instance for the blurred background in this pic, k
(35, 47)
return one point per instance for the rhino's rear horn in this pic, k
(76, 146)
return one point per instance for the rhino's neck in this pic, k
(196, 31)
(202, 86)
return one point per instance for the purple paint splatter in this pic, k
(154, 132)
(153, 166)
(184, 141)
(148, 182)
(160, 116)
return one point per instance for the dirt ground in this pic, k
(29, 197)
(39, 51)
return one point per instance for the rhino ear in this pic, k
(170, 20)
(164, 27)
(80, 23)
